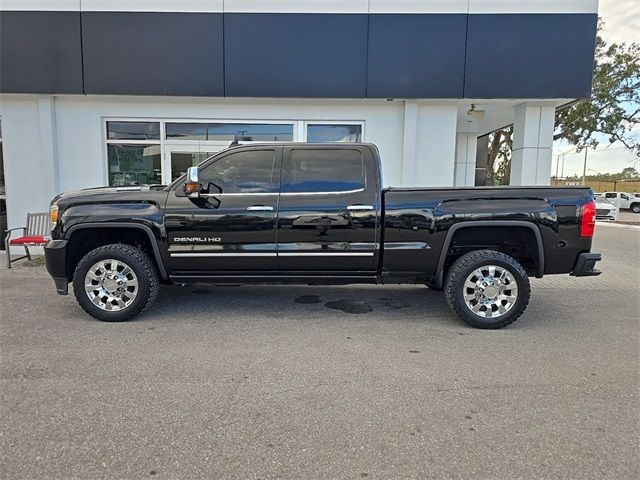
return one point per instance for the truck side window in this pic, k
(610, 195)
(625, 197)
(242, 172)
(325, 170)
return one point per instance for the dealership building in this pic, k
(127, 92)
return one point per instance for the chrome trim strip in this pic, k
(323, 193)
(286, 254)
(236, 194)
(327, 254)
(260, 208)
(225, 254)
(359, 208)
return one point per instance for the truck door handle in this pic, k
(356, 208)
(260, 208)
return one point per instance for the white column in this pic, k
(28, 130)
(532, 144)
(409, 166)
(48, 149)
(465, 167)
(429, 157)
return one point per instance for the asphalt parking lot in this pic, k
(278, 382)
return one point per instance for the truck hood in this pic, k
(136, 193)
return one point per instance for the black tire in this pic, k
(141, 265)
(454, 287)
(635, 208)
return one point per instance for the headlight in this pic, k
(53, 215)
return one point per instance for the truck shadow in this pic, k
(365, 302)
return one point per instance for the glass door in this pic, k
(178, 158)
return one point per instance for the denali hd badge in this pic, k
(197, 239)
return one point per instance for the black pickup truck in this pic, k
(316, 214)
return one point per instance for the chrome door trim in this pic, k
(260, 208)
(359, 208)
(325, 254)
(224, 254)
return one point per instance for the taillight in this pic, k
(588, 219)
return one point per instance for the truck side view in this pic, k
(283, 213)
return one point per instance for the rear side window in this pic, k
(325, 170)
(610, 195)
(242, 172)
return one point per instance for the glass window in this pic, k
(133, 130)
(326, 171)
(134, 164)
(187, 131)
(243, 132)
(334, 133)
(610, 195)
(625, 197)
(181, 161)
(241, 172)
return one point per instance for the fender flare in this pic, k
(139, 226)
(439, 276)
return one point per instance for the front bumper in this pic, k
(585, 265)
(55, 257)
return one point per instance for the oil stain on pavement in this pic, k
(308, 299)
(350, 306)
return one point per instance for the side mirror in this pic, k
(192, 187)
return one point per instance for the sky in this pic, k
(622, 24)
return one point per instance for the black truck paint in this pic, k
(290, 232)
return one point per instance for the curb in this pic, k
(619, 225)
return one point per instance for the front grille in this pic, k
(602, 211)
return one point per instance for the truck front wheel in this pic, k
(635, 208)
(116, 282)
(487, 289)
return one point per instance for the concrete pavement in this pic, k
(269, 382)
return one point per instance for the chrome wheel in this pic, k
(490, 291)
(111, 285)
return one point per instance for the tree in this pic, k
(614, 109)
(612, 113)
(629, 173)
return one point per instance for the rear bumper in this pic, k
(585, 265)
(55, 256)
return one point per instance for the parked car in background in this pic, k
(624, 201)
(605, 210)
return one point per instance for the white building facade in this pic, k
(82, 106)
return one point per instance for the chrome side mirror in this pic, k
(192, 186)
(192, 175)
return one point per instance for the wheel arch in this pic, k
(153, 242)
(538, 253)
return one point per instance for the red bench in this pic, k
(35, 234)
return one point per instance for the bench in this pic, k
(35, 234)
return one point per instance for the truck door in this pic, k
(329, 209)
(233, 226)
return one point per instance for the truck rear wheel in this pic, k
(116, 282)
(487, 289)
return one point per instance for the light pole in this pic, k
(584, 167)
(561, 154)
